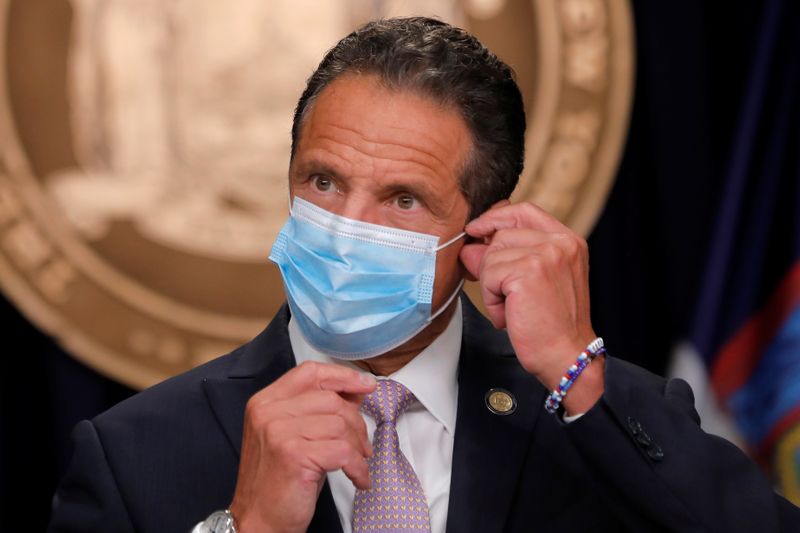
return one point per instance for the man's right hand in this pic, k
(296, 430)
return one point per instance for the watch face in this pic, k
(219, 522)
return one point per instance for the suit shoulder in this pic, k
(171, 398)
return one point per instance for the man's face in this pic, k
(387, 157)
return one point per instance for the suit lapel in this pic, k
(489, 449)
(262, 361)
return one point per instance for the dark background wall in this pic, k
(648, 248)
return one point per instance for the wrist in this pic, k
(587, 390)
(255, 524)
(246, 523)
(559, 360)
(583, 381)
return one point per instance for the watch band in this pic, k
(219, 522)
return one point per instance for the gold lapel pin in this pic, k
(500, 402)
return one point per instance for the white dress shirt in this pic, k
(425, 430)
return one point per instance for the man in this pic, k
(408, 135)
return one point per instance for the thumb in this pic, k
(471, 256)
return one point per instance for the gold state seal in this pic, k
(145, 146)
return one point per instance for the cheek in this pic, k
(326, 200)
(448, 273)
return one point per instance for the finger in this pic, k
(529, 238)
(559, 255)
(471, 256)
(493, 271)
(497, 257)
(325, 427)
(567, 252)
(331, 455)
(519, 215)
(507, 271)
(356, 400)
(315, 403)
(317, 376)
(490, 272)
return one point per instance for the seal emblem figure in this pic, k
(145, 150)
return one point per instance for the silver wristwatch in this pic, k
(218, 522)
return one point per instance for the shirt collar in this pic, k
(432, 376)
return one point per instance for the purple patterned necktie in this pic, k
(395, 500)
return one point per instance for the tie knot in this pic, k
(387, 401)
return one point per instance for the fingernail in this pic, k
(367, 379)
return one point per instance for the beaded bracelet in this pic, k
(594, 349)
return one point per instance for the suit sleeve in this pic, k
(643, 442)
(88, 499)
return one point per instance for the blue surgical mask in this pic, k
(356, 289)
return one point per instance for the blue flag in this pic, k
(747, 323)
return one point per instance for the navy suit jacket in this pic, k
(164, 459)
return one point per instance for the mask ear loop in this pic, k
(451, 241)
(448, 302)
(460, 285)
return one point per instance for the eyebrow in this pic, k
(316, 166)
(419, 188)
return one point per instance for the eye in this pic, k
(406, 201)
(322, 183)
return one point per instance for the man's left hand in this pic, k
(534, 279)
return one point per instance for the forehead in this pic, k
(359, 122)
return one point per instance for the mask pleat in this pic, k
(355, 289)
